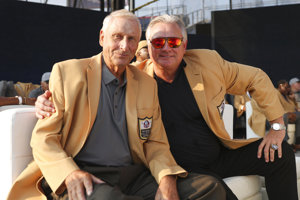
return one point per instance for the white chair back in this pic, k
(228, 119)
(249, 131)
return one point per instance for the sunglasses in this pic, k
(159, 43)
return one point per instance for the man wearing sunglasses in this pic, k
(191, 89)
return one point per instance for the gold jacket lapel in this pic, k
(94, 86)
(195, 80)
(131, 109)
(131, 96)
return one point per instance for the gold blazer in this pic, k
(75, 87)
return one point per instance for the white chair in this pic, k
(244, 187)
(249, 131)
(17, 123)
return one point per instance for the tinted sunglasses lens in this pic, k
(158, 43)
(174, 42)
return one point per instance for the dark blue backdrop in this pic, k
(34, 36)
(267, 37)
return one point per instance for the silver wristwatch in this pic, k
(278, 127)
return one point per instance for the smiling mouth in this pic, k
(122, 55)
(166, 56)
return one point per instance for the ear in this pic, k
(101, 38)
(185, 44)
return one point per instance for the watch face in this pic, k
(276, 126)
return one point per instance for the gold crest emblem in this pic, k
(145, 127)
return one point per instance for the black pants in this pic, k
(280, 175)
(136, 183)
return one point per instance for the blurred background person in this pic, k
(141, 53)
(291, 116)
(43, 87)
(295, 88)
(16, 93)
(11, 89)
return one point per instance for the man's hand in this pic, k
(79, 183)
(167, 189)
(44, 107)
(273, 137)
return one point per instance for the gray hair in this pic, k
(120, 13)
(167, 19)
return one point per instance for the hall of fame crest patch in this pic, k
(145, 127)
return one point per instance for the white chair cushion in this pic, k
(245, 187)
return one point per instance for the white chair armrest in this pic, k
(14, 106)
(16, 128)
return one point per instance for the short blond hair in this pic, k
(121, 13)
(167, 19)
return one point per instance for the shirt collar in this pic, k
(108, 77)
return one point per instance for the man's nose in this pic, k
(166, 46)
(124, 44)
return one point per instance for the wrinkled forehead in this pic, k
(123, 24)
(165, 30)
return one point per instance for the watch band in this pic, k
(278, 126)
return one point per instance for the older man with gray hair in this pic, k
(191, 89)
